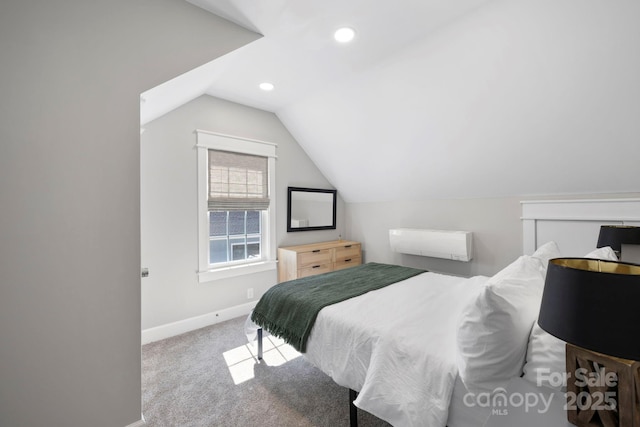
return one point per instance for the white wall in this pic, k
(169, 208)
(72, 72)
(517, 97)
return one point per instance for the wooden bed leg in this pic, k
(353, 411)
(259, 343)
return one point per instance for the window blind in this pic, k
(237, 181)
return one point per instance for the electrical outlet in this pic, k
(249, 293)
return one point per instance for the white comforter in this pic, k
(397, 346)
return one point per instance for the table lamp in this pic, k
(618, 235)
(593, 306)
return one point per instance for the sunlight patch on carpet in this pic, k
(242, 360)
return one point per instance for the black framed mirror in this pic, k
(311, 209)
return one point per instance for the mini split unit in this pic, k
(455, 245)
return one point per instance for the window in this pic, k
(234, 236)
(236, 205)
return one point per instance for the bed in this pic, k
(421, 350)
(402, 366)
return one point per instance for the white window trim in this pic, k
(211, 140)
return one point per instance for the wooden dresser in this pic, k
(299, 261)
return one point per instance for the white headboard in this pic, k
(573, 224)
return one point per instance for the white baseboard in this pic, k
(140, 423)
(180, 327)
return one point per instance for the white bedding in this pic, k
(463, 414)
(396, 346)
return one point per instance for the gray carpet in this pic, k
(210, 377)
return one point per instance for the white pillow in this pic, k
(605, 253)
(546, 356)
(546, 359)
(494, 327)
(546, 252)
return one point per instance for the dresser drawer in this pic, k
(347, 262)
(313, 258)
(346, 252)
(316, 269)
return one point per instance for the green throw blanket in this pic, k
(289, 309)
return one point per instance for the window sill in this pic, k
(234, 271)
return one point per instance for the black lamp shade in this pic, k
(617, 235)
(593, 304)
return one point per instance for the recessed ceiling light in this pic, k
(266, 86)
(344, 35)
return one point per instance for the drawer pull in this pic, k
(315, 250)
(316, 266)
(347, 246)
(347, 260)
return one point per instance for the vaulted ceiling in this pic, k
(440, 98)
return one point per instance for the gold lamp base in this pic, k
(602, 391)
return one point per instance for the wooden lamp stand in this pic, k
(602, 390)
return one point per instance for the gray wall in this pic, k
(495, 223)
(169, 207)
(72, 73)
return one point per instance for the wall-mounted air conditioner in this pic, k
(455, 245)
